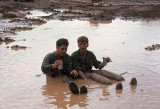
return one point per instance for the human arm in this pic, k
(46, 66)
(56, 64)
(77, 64)
(104, 63)
(68, 66)
(74, 73)
(96, 63)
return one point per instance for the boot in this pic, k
(119, 86)
(133, 81)
(83, 89)
(73, 87)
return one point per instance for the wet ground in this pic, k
(24, 86)
(75, 9)
(26, 39)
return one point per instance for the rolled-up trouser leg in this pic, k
(109, 75)
(98, 78)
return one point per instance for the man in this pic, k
(58, 63)
(83, 61)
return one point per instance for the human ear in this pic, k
(57, 47)
(87, 45)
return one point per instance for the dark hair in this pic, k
(62, 41)
(82, 39)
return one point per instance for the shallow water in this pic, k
(23, 86)
(37, 14)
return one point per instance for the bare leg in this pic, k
(109, 75)
(98, 78)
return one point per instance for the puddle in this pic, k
(10, 26)
(37, 14)
(124, 41)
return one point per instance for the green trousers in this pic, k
(103, 76)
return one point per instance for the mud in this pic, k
(107, 11)
(21, 28)
(75, 9)
(123, 41)
(6, 40)
(131, 8)
(153, 47)
(18, 47)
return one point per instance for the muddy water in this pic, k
(23, 86)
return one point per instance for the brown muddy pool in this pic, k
(23, 86)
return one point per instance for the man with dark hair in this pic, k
(58, 63)
(83, 61)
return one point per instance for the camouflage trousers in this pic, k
(103, 76)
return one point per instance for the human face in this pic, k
(82, 46)
(62, 50)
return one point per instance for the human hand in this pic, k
(58, 64)
(74, 73)
(106, 60)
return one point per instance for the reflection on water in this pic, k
(123, 41)
(37, 13)
(133, 88)
(58, 93)
(96, 23)
(119, 92)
